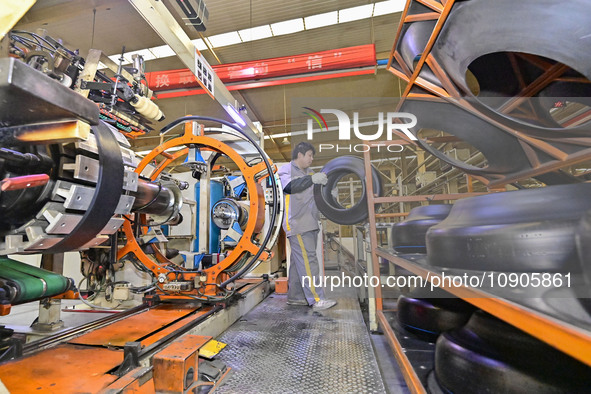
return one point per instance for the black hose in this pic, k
(271, 175)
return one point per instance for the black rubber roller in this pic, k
(489, 355)
(335, 170)
(429, 317)
(519, 231)
(409, 236)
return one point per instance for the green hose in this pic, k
(28, 281)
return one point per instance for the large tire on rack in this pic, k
(502, 151)
(327, 203)
(427, 318)
(413, 39)
(409, 235)
(489, 354)
(519, 231)
(515, 27)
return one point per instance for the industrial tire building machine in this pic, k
(70, 182)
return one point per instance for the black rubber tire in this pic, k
(503, 152)
(413, 39)
(583, 242)
(335, 170)
(504, 337)
(427, 318)
(433, 386)
(529, 230)
(516, 27)
(409, 236)
(488, 355)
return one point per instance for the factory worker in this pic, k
(301, 226)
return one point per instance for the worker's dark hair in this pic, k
(302, 148)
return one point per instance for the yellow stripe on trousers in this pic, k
(308, 270)
(287, 196)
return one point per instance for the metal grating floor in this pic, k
(281, 348)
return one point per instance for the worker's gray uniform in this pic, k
(301, 226)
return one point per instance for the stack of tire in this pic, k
(489, 355)
(409, 236)
(427, 314)
(423, 312)
(525, 231)
(491, 51)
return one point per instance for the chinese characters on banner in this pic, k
(338, 59)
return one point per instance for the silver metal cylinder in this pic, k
(161, 201)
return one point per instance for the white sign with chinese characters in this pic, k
(204, 73)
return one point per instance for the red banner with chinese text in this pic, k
(335, 59)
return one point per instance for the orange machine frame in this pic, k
(216, 274)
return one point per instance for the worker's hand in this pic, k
(319, 178)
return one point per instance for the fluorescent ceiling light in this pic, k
(225, 39)
(277, 29)
(275, 136)
(321, 20)
(162, 51)
(199, 44)
(256, 33)
(389, 7)
(145, 53)
(288, 27)
(356, 13)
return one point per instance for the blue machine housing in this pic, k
(217, 193)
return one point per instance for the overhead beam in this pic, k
(11, 12)
(165, 25)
